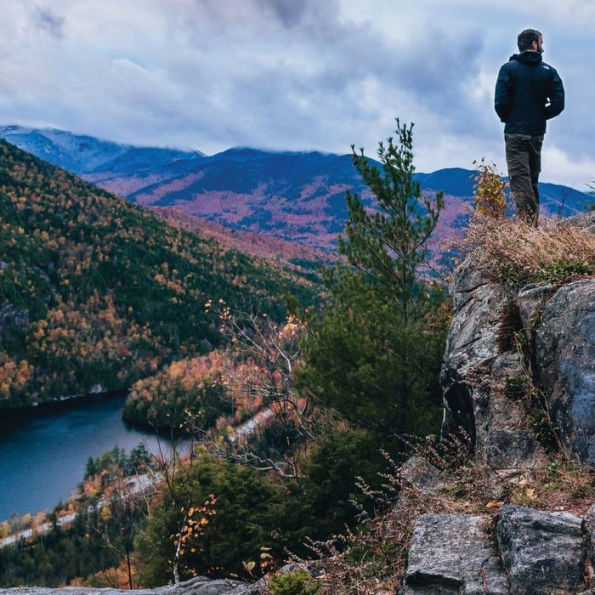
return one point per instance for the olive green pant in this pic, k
(523, 156)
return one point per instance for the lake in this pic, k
(43, 452)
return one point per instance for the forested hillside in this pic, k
(96, 293)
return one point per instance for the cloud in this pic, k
(289, 12)
(327, 74)
(46, 20)
(289, 74)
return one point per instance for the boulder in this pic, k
(452, 554)
(589, 531)
(196, 586)
(541, 552)
(565, 364)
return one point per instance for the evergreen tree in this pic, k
(374, 355)
(90, 468)
(234, 513)
(388, 245)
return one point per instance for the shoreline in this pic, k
(59, 404)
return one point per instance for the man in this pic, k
(528, 92)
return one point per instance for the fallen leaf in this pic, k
(494, 504)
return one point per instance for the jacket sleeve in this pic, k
(556, 97)
(503, 95)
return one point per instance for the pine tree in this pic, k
(389, 244)
(375, 352)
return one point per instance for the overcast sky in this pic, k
(294, 74)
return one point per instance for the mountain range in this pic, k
(293, 196)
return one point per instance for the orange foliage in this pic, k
(115, 578)
(14, 375)
(488, 191)
(196, 518)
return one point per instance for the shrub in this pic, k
(251, 513)
(488, 191)
(296, 582)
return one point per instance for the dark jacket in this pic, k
(528, 92)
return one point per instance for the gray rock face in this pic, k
(589, 531)
(565, 357)
(481, 360)
(195, 586)
(541, 552)
(422, 475)
(530, 300)
(478, 305)
(478, 363)
(452, 554)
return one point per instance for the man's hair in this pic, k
(526, 39)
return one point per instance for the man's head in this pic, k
(530, 39)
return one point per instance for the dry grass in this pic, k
(373, 559)
(561, 485)
(517, 253)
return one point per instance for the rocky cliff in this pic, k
(519, 383)
(505, 343)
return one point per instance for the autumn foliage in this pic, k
(488, 191)
(96, 293)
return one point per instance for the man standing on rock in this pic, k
(528, 92)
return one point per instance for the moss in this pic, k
(296, 582)
(517, 387)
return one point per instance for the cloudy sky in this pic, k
(294, 74)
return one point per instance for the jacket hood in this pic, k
(528, 57)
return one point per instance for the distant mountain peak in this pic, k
(294, 196)
(85, 154)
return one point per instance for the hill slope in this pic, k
(96, 293)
